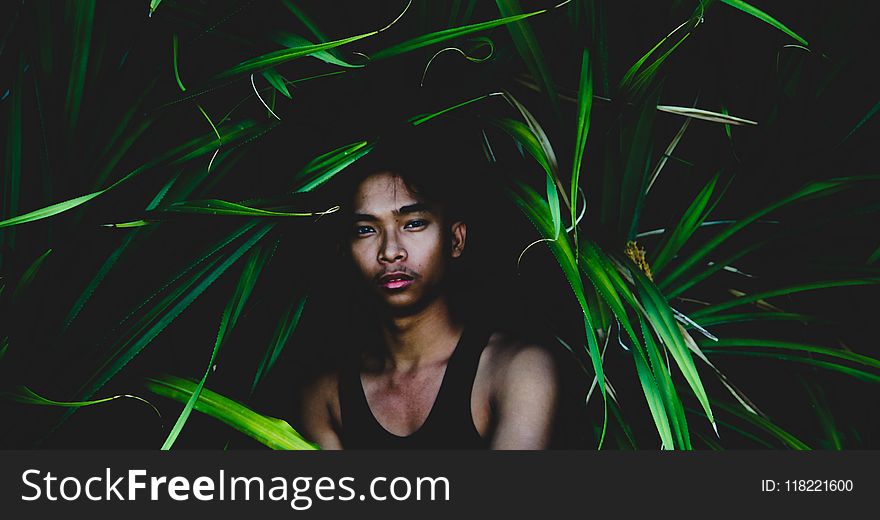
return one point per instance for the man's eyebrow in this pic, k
(418, 207)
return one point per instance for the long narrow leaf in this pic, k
(813, 189)
(285, 55)
(447, 34)
(764, 17)
(286, 326)
(222, 207)
(131, 348)
(277, 434)
(251, 272)
(711, 309)
(529, 50)
(83, 18)
(585, 104)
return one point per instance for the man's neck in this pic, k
(422, 338)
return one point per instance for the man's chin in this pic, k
(401, 304)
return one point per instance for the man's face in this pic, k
(397, 243)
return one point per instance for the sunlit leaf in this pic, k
(585, 104)
(322, 168)
(706, 115)
(447, 34)
(24, 395)
(285, 55)
(764, 17)
(277, 434)
(222, 207)
(294, 41)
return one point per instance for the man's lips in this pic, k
(395, 280)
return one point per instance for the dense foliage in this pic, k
(682, 193)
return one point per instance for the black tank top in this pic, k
(449, 424)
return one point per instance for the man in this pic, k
(434, 380)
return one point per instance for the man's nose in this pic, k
(392, 250)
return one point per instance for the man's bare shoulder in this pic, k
(509, 356)
(524, 386)
(323, 393)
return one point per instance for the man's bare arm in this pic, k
(526, 400)
(318, 424)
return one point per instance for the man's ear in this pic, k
(459, 234)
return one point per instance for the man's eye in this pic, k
(416, 223)
(362, 230)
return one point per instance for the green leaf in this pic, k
(653, 397)
(295, 41)
(871, 113)
(284, 55)
(813, 189)
(156, 321)
(188, 151)
(322, 168)
(275, 433)
(277, 80)
(671, 403)
(764, 17)
(553, 201)
(83, 16)
(249, 275)
(29, 274)
(526, 137)
(690, 221)
(111, 260)
(305, 19)
(721, 319)
(447, 34)
(834, 367)
(636, 148)
(823, 411)
(529, 50)
(706, 115)
(712, 309)
(789, 345)
(174, 56)
(222, 207)
(667, 155)
(874, 256)
(638, 78)
(50, 211)
(713, 268)
(25, 395)
(659, 315)
(424, 118)
(788, 439)
(538, 212)
(585, 103)
(13, 155)
(286, 326)
(174, 288)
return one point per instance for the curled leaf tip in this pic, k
(254, 85)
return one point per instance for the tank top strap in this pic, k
(355, 415)
(453, 403)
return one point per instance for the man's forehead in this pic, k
(387, 193)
